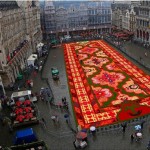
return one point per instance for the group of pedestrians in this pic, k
(65, 103)
(137, 135)
(55, 119)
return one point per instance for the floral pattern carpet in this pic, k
(105, 87)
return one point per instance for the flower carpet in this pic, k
(105, 87)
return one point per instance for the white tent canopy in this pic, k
(40, 45)
(31, 60)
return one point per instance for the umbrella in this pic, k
(27, 109)
(29, 116)
(92, 128)
(81, 135)
(18, 103)
(18, 111)
(137, 127)
(27, 102)
(66, 116)
(139, 135)
(20, 118)
(84, 130)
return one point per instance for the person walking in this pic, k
(124, 126)
(66, 116)
(44, 121)
(142, 124)
(53, 118)
(132, 137)
(140, 58)
(148, 146)
(42, 97)
(57, 119)
(65, 99)
(62, 100)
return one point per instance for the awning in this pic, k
(128, 32)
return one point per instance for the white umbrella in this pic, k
(92, 128)
(137, 127)
(139, 135)
(53, 117)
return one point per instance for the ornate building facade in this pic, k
(20, 32)
(129, 19)
(119, 16)
(68, 17)
(143, 22)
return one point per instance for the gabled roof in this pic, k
(33, 4)
(7, 5)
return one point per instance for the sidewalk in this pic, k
(20, 85)
(133, 52)
(138, 51)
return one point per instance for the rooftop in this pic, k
(7, 5)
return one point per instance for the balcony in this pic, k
(143, 17)
(84, 27)
(10, 57)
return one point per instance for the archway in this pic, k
(137, 33)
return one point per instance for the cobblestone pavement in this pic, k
(59, 136)
(138, 52)
(135, 54)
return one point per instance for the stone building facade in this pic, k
(20, 30)
(124, 16)
(119, 14)
(68, 17)
(143, 22)
(126, 20)
(133, 13)
(129, 19)
(117, 18)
